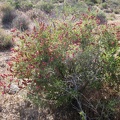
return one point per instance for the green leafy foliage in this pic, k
(65, 62)
(23, 5)
(5, 40)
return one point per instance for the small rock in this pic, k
(13, 89)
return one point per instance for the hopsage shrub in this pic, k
(21, 22)
(59, 64)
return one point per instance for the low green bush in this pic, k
(22, 5)
(25, 5)
(8, 14)
(116, 11)
(5, 40)
(71, 8)
(71, 63)
(46, 7)
(104, 5)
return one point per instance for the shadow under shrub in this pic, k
(60, 65)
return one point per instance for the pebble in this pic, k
(13, 89)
